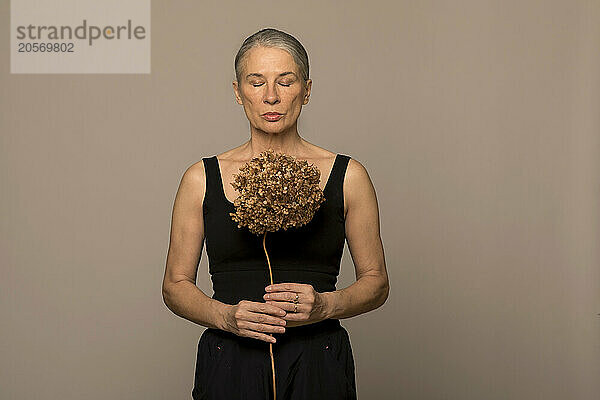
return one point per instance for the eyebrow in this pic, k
(261, 75)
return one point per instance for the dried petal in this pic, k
(277, 191)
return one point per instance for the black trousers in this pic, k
(311, 362)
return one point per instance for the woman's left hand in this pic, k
(309, 305)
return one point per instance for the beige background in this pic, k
(477, 121)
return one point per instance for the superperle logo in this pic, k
(83, 32)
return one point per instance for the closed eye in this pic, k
(260, 84)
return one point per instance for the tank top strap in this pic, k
(211, 172)
(335, 185)
(338, 172)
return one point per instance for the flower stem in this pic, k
(270, 344)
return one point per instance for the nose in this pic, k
(271, 95)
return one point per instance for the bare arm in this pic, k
(179, 290)
(371, 288)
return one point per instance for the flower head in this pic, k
(277, 191)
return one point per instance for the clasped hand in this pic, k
(301, 302)
(287, 305)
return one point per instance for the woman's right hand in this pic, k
(251, 319)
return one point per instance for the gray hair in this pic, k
(270, 37)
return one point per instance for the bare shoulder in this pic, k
(358, 187)
(193, 183)
(356, 172)
(196, 170)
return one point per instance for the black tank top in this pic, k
(307, 254)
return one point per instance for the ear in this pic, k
(308, 86)
(236, 92)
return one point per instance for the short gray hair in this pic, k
(270, 37)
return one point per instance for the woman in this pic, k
(300, 313)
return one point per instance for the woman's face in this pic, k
(270, 82)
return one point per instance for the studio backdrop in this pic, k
(478, 123)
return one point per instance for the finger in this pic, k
(264, 319)
(265, 308)
(259, 327)
(282, 296)
(289, 307)
(287, 287)
(299, 316)
(257, 335)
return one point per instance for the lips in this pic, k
(272, 116)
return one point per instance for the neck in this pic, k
(288, 142)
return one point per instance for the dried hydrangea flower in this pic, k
(276, 192)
